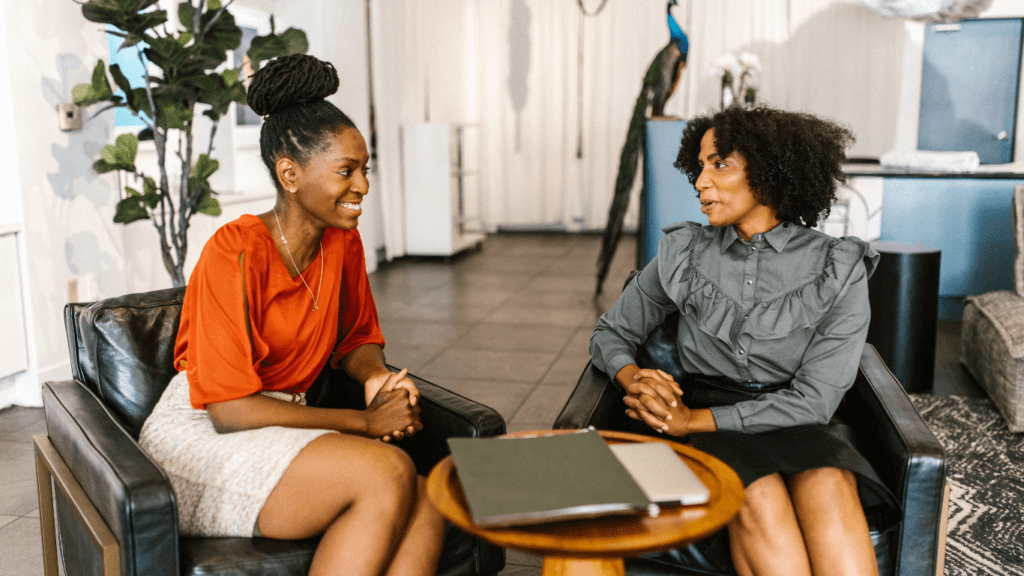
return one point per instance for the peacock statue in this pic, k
(659, 84)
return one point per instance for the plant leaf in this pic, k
(102, 166)
(129, 210)
(127, 146)
(124, 85)
(98, 91)
(208, 205)
(173, 113)
(291, 41)
(295, 40)
(204, 167)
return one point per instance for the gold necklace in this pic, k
(290, 257)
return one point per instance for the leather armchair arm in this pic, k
(596, 402)
(445, 414)
(129, 491)
(906, 455)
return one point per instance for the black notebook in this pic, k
(531, 480)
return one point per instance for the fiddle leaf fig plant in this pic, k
(184, 73)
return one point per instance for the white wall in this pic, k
(66, 209)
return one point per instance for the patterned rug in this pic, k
(986, 475)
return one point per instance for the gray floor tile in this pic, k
(22, 548)
(459, 296)
(580, 342)
(520, 571)
(442, 312)
(17, 463)
(543, 405)
(406, 332)
(517, 338)
(505, 397)
(518, 558)
(462, 364)
(512, 427)
(5, 520)
(19, 498)
(413, 357)
(566, 370)
(16, 418)
(25, 433)
(563, 300)
(510, 314)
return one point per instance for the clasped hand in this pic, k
(654, 398)
(392, 407)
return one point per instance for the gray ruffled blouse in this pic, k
(791, 305)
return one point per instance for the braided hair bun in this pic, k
(290, 80)
(290, 92)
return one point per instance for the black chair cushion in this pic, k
(127, 351)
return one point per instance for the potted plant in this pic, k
(184, 74)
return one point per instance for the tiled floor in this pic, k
(507, 325)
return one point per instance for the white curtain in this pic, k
(424, 69)
(511, 68)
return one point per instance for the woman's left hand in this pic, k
(675, 421)
(388, 382)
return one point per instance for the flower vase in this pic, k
(728, 98)
(750, 98)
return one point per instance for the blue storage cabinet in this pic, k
(968, 217)
(667, 196)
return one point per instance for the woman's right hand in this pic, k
(659, 386)
(391, 415)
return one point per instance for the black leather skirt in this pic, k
(786, 452)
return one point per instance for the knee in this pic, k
(392, 477)
(827, 482)
(766, 506)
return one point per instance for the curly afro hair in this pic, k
(794, 160)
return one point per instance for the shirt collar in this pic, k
(777, 237)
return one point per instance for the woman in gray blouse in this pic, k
(773, 318)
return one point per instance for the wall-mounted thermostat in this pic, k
(69, 117)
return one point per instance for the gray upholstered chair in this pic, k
(992, 334)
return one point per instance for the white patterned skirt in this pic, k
(220, 481)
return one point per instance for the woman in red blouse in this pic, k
(260, 320)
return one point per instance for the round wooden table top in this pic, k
(609, 536)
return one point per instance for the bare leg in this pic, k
(829, 510)
(359, 493)
(420, 548)
(764, 536)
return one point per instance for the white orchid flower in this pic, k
(749, 61)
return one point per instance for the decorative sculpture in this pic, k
(659, 83)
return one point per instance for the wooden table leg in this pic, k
(558, 566)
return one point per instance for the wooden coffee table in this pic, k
(598, 546)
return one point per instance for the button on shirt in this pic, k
(790, 305)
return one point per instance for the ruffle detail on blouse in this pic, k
(717, 314)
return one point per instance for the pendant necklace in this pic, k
(290, 257)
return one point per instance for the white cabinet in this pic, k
(437, 222)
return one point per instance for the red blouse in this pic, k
(285, 344)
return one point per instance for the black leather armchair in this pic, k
(887, 429)
(115, 509)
